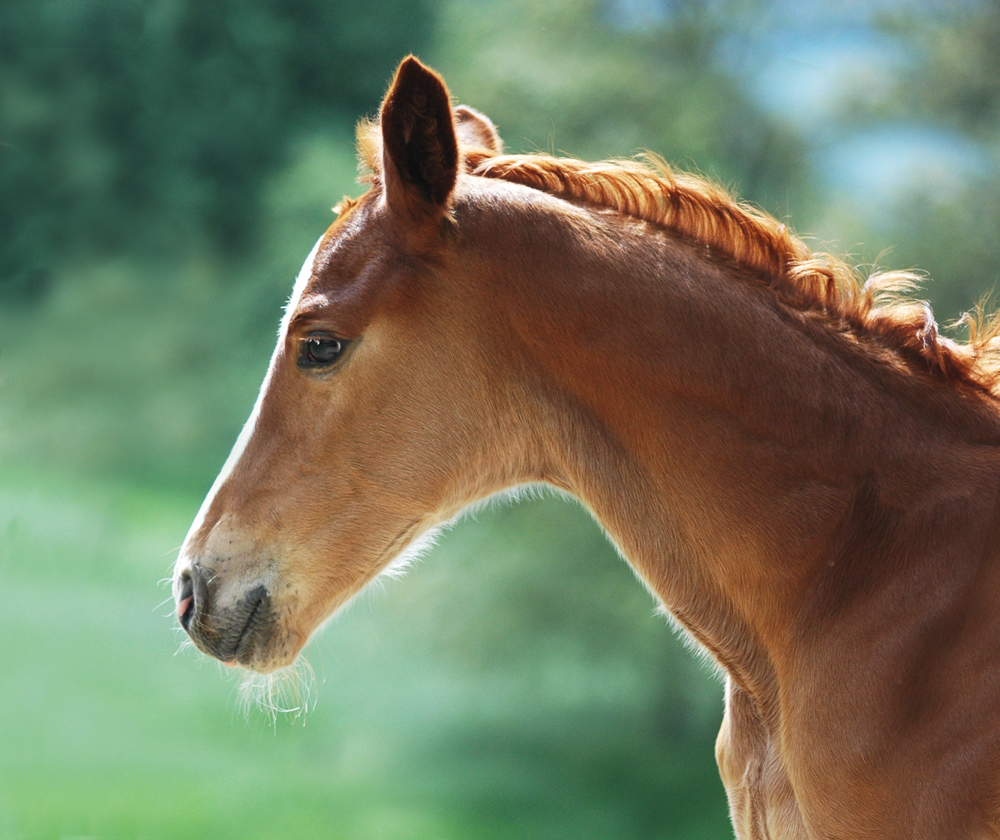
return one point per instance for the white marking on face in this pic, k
(300, 286)
(248, 428)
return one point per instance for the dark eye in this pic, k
(320, 352)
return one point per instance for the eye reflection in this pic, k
(320, 351)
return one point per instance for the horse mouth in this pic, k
(233, 635)
(245, 639)
(238, 629)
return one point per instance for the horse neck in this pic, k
(721, 439)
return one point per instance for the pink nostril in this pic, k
(186, 604)
(231, 664)
(182, 607)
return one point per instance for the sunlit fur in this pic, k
(821, 284)
(289, 691)
(413, 553)
(798, 467)
(818, 283)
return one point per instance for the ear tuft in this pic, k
(477, 130)
(420, 149)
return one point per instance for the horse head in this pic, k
(379, 416)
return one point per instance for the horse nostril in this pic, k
(230, 629)
(185, 600)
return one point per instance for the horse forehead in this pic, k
(348, 244)
(343, 278)
(299, 289)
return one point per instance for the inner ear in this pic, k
(419, 146)
(475, 129)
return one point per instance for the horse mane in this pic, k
(819, 285)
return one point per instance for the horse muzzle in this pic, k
(233, 629)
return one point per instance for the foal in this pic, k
(802, 471)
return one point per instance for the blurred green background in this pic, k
(165, 166)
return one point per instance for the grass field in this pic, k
(471, 699)
(517, 683)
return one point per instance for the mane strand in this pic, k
(649, 190)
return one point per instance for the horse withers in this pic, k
(800, 468)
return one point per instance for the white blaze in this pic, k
(248, 428)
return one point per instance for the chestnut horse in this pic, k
(801, 470)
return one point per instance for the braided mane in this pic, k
(815, 283)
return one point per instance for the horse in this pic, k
(801, 469)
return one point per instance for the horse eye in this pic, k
(320, 352)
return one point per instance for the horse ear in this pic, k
(419, 147)
(476, 129)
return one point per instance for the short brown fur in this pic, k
(696, 208)
(804, 473)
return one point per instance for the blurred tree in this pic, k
(141, 126)
(158, 128)
(604, 78)
(953, 81)
(959, 77)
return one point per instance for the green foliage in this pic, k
(138, 127)
(944, 223)
(957, 79)
(565, 77)
(432, 719)
(953, 236)
(167, 358)
(164, 168)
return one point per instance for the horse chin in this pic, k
(288, 689)
(271, 650)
